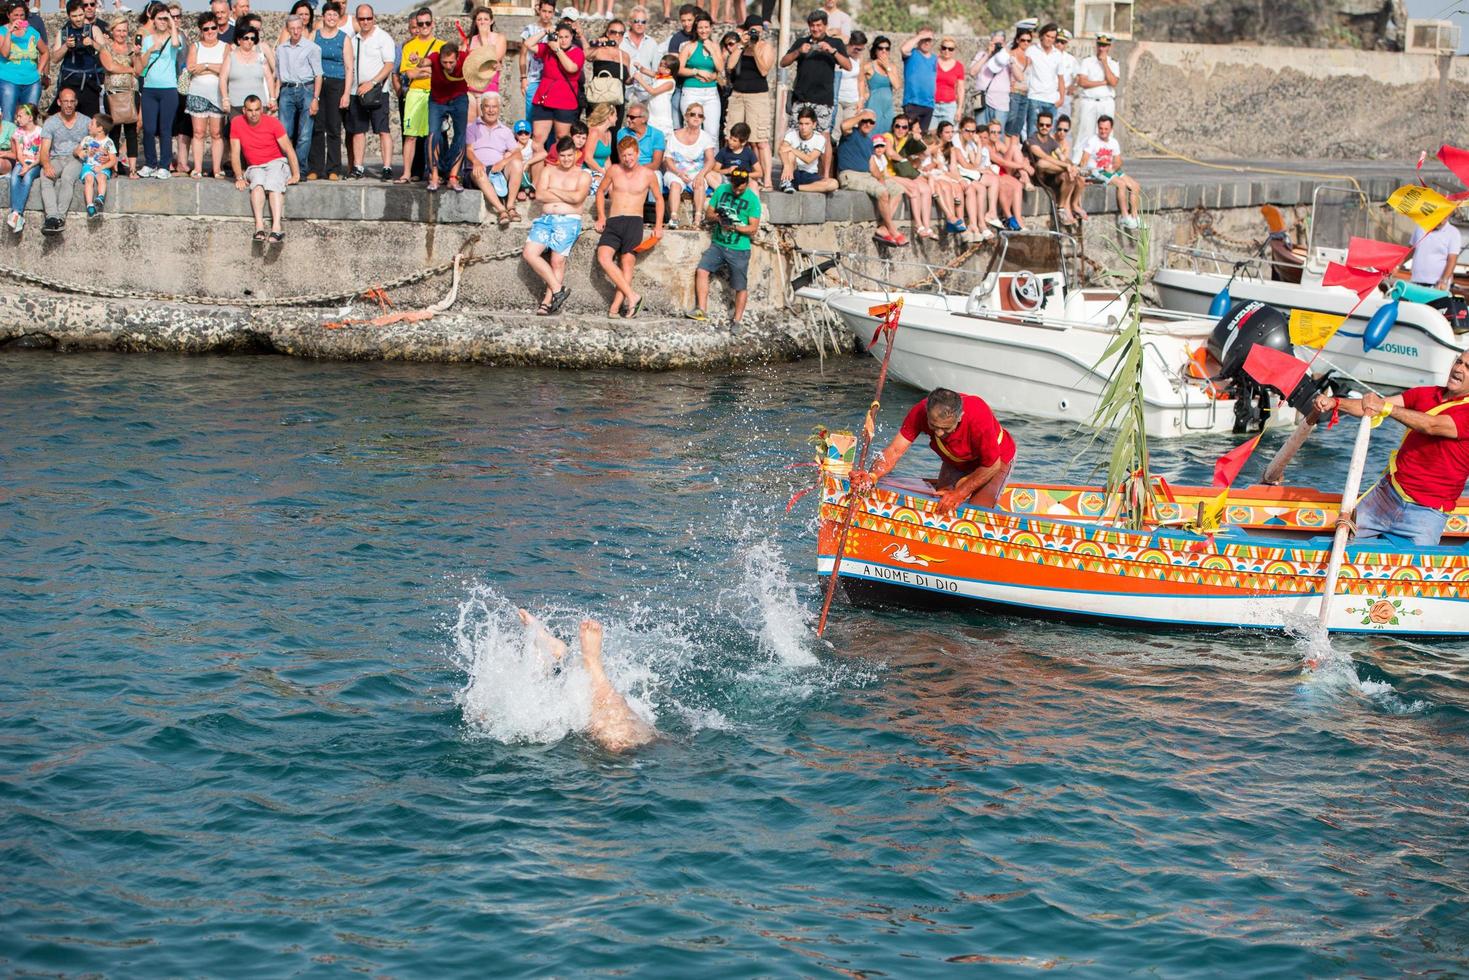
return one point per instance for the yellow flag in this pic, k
(1424, 205)
(1212, 515)
(1312, 329)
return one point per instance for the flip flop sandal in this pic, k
(558, 298)
(276, 237)
(546, 309)
(261, 236)
(514, 215)
(503, 219)
(636, 308)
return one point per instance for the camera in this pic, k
(601, 42)
(727, 215)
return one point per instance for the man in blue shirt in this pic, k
(920, 75)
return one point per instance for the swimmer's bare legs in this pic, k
(541, 636)
(613, 724)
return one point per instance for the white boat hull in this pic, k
(1419, 350)
(1431, 617)
(1029, 366)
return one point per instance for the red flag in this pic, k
(1274, 369)
(1366, 253)
(1359, 281)
(1227, 467)
(1456, 160)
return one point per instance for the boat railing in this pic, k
(866, 272)
(1202, 260)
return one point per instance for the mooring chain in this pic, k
(310, 299)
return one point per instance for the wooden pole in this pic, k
(1275, 472)
(869, 429)
(781, 74)
(1343, 521)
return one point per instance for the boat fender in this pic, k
(1380, 325)
(1219, 305)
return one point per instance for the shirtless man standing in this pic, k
(561, 190)
(628, 183)
(613, 724)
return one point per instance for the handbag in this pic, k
(374, 97)
(605, 87)
(122, 107)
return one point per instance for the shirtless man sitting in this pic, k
(629, 184)
(561, 191)
(613, 724)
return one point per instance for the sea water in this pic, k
(268, 708)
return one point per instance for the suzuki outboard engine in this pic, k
(1246, 324)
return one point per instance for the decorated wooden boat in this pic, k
(1050, 550)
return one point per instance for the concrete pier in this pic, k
(171, 266)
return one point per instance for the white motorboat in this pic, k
(1418, 350)
(1025, 341)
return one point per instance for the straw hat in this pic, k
(479, 67)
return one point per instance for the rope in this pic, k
(1233, 167)
(310, 299)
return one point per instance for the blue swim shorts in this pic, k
(558, 232)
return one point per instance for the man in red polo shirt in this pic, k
(1426, 476)
(976, 450)
(269, 164)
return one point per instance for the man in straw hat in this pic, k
(628, 184)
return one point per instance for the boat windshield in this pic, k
(1338, 214)
(1038, 252)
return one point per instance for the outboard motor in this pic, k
(1246, 324)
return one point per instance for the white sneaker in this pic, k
(145, 171)
(161, 173)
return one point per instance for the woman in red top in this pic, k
(948, 89)
(976, 450)
(556, 97)
(448, 99)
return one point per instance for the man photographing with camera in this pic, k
(733, 212)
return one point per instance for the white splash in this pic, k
(514, 691)
(1332, 670)
(771, 612)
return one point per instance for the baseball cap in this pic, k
(1028, 24)
(569, 12)
(1103, 37)
(1063, 35)
(521, 126)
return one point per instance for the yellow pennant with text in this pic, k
(1309, 328)
(1211, 515)
(1424, 205)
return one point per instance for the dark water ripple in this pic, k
(231, 742)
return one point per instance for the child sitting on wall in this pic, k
(99, 156)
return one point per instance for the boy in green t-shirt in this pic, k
(734, 213)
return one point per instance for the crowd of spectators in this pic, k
(209, 97)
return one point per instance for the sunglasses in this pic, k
(884, 47)
(423, 23)
(867, 122)
(970, 132)
(1063, 129)
(898, 126)
(946, 47)
(693, 115)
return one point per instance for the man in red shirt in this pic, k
(268, 167)
(976, 450)
(1427, 473)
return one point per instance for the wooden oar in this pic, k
(869, 427)
(1275, 472)
(1345, 512)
